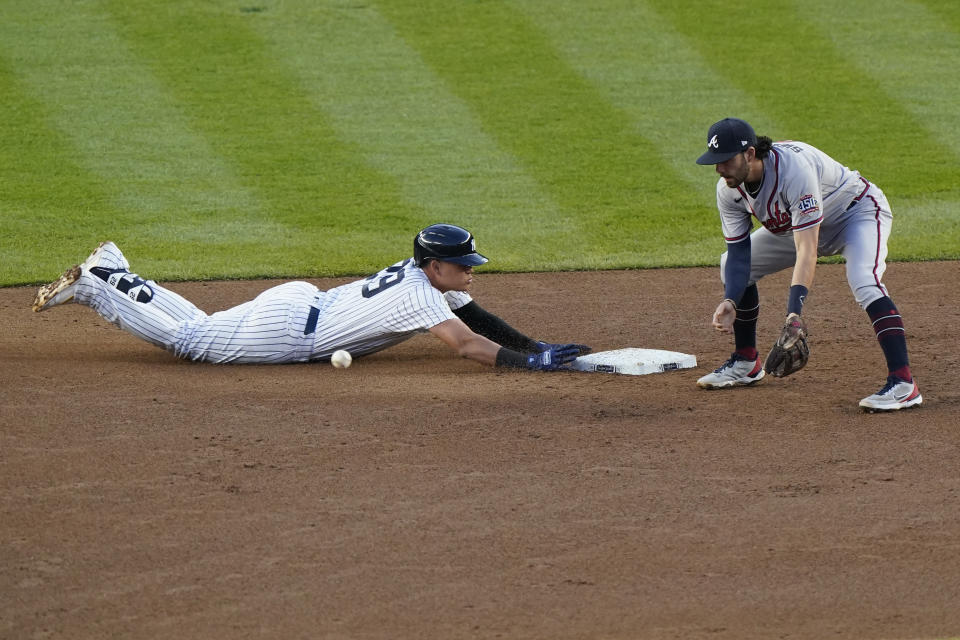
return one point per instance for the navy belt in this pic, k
(312, 318)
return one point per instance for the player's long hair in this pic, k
(764, 144)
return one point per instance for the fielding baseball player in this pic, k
(808, 205)
(296, 322)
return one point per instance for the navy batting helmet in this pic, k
(447, 243)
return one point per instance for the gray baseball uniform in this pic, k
(804, 187)
(292, 322)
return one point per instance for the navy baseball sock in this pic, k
(125, 282)
(745, 326)
(888, 325)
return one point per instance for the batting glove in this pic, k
(556, 356)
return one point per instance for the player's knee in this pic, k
(867, 294)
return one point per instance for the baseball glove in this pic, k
(791, 352)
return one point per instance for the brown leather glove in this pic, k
(791, 352)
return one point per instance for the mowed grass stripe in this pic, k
(926, 228)
(585, 152)
(162, 179)
(912, 52)
(642, 66)
(47, 194)
(638, 63)
(380, 95)
(255, 115)
(801, 80)
(911, 55)
(947, 11)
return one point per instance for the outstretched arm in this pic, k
(490, 326)
(465, 342)
(468, 344)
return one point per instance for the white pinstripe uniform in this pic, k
(804, 187)
(292, 322)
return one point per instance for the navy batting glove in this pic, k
(556, 356)
(582, 349)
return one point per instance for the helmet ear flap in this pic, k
(419, 257)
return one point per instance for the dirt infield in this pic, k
(418, 495)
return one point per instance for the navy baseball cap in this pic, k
(726, 139)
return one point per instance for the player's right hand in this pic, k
(724, 316)
(558, 356)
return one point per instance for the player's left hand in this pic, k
(791, 352)
(557, 356)
(581, 349)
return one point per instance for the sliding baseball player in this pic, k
(297, 322)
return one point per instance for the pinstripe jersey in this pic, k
(380, 311)
(291, 322)
(802, 187)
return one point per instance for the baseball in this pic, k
(341, 359)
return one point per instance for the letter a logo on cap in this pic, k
(722, 139)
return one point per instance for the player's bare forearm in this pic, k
(465, 342)
(481, 349)
(806, 264)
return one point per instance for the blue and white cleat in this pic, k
(896, 394)
(735, 372)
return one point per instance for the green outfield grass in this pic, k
(298, 138)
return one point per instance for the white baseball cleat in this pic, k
(735, 372)
(62, 289)
(896, 394)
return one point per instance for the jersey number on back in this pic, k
(385, 279)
